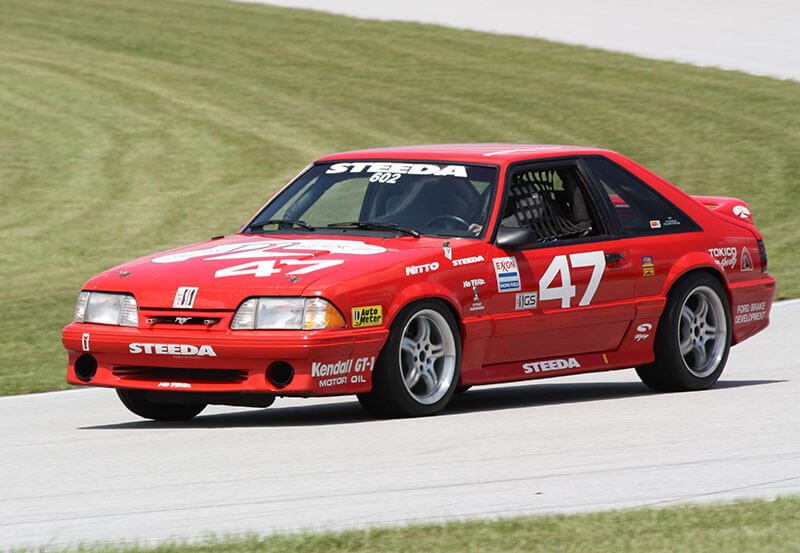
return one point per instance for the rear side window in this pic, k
(640, 209)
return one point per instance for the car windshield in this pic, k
(429, 198)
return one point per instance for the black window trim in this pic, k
(609, 232)
(599, 192)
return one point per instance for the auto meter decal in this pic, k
(370, 315)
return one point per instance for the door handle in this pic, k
(614, 258)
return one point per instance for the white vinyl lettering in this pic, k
(566, 291)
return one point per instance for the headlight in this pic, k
(286, 314)
(106, 308)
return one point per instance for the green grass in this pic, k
(129, 127)
(746, 527)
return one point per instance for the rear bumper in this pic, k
(328, 362)
(751, 302)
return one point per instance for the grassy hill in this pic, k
(129, 127)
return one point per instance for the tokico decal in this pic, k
(550, 365)
(726, 257)
(172, 349)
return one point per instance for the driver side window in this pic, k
(551, 201)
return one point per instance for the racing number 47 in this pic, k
(560, 266)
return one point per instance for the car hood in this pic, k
(225, 271)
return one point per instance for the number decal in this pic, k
(391, 178)
(564, 292)
(560, 267)
(267, 268)
(590, 259)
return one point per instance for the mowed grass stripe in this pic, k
(130, 127)
(744, 527)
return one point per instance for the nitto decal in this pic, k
(749, 312)
(399, 168)
(467, 260)
(747, 263)
(370, 315)
(426, 268)
(726, 257)
(85, 341)
(172, 349)
(526, 300)
(184, 297)
(550, 365)
(507, 274)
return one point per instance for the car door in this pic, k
(569, 289)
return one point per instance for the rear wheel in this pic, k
(149, 405)
(417, 370)
(693, 337)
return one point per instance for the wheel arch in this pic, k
(694, 263)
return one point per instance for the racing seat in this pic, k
(540, 207)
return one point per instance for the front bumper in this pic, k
(323, 362)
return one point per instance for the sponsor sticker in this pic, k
(726, 257)
(472, 283)
(643, 332)
(184, 297)
(467, 260)
(399, 168)
(507, 273)
(747, 263)
(369, 315)
(741, 211)
(179, 385)
(550, 365)
(655, 224)
(648, 267)
(341, 372)
(525, 300)
(85, 341)
(749, 312)
(418, 269)
(172, 349)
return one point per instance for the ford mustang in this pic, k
(406, 275)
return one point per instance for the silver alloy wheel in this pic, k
(427, 356)
(702, 331)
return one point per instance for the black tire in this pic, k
(461, 389)
(693, 337)
(140, 402)
(418, 368)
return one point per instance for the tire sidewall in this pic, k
(388, 382)
(668, 335)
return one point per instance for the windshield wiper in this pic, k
(279, 222)
(379, 225)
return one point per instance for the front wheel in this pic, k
(149, 405)
(693, 337)
(417, 370)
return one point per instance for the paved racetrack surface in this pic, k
(77, 467)
(761, 37)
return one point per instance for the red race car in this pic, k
(402, 275)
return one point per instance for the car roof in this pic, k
(494, 153)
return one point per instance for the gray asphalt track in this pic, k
(77, 467)
(762, 38)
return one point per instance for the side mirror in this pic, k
(509, 238)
